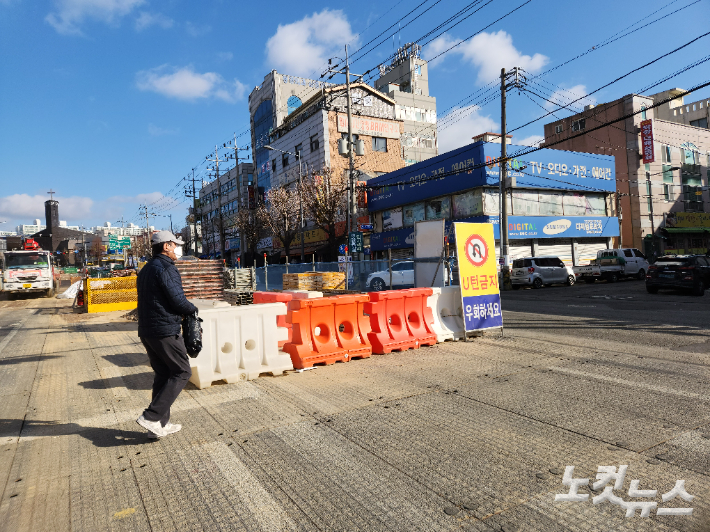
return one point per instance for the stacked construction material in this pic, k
(331, 281)
(239, 279)
(301, 281)
(239, 297)
(202, 278)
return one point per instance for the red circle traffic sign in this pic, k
(476, 250)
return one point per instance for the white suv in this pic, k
(540, 271)
(402, 277)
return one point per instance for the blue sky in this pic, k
(112, 102)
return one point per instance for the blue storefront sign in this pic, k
(472, 166)
(519, 227)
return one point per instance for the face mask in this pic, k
(178, 251)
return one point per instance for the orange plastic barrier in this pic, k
(276, 297)
(328, 330)
(400, 319)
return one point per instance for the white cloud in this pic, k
(532, 140)
(303, 47)
(26, 207)
(564, 96)
(438, 45)
(489, 52)
(146, 20)
(156, 131)
(70, 14)
(460, 125)
(194, 30)
(186, 84)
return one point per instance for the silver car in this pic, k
(540, 271)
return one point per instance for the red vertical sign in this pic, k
(647, 141)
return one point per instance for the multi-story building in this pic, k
(226, 192)
(270, 103)
(107, 229)
(313, 131)
(673, 182)
(37, 226)
(406, 81)
(556, 205)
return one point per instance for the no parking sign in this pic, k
(478, 276)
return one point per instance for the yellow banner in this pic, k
(478, 276)
(688, 219)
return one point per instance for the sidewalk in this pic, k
(443, 438)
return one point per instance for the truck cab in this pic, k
(29, 271)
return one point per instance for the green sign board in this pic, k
(115, 242)
(355, 242)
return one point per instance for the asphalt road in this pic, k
(462, 436)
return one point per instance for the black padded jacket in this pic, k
(161, 300)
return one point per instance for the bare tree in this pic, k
(250, 225)
(325, 198)
(280, 215)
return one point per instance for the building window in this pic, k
(438, 209)
(558, 128)
(665, 153)
(703, 122)
(643, 111)
(284, 160)
(379, 144)
(668, 192)
(578, 125)
(297, 150)
(273, 166)
(314, 143)
(293, 103)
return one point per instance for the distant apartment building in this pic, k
(663, 203)
(107, 229)
(223, 196)
(406, 81)
(37, 226)
(270, 103)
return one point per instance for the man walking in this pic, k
(161, 307)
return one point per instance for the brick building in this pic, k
(676, 181)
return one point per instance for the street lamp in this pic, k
(300, 194)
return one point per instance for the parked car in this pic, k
(689, 272)
(402, 277)
(540, 271)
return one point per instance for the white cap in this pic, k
(165, 236)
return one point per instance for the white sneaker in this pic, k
(169, 428)
(155, 428)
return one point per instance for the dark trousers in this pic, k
(171, 365)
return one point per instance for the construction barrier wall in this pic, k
(239, 343)
(107, 295)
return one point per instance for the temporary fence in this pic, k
(106, 295)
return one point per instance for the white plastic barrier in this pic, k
(445, 304)
(239, 343)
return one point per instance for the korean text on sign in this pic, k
(478, 276)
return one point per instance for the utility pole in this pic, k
(217, 160)
(650, 207)
(239, 193)
(503, 174)
(147, 227)
(351, 188)
(170, 216)
(191, 193)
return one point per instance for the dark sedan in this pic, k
(688, 272)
